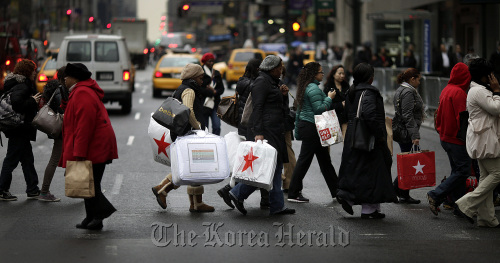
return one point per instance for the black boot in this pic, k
(84, 223)
(224, 193)
(264, 201)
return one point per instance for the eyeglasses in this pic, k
(321, 72)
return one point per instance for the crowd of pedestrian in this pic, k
(364, 175)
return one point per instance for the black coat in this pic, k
(22, 89)
(365, 177)
(340, 96)
(269, 113)
(243, 87)
(219, 88)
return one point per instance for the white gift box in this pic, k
(159, 137)
(328, 128)
(255, 164)
(199, 158)
(232, 141)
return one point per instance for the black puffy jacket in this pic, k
(22, 89)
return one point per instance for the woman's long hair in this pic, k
(330, 80)
(252, 68)
(362, 73)
(306, 76)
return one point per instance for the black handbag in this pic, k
(173, 115)
(362, 139)
(247, 111)
(464, 123)
(228, 110)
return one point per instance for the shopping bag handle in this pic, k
(415, 148)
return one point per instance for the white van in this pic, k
(107, 57)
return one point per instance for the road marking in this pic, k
(130, 140)
(137, 116)
(143, 91)
(141, 101)
(118, 184)
(112, 250)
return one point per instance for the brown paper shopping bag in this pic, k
(79, 179)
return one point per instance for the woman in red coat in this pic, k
(88, 135)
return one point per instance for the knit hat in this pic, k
(78, 71)
(270, 62)
(191, 71)
(207, 57)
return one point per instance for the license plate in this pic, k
(104, 75)
(176, 76)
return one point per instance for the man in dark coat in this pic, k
(24, 99)
(365, 176)
(270, 103)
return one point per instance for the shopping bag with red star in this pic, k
(232, 141)
(254, 164)
(159, 136)
(199, 158)
(416, 169)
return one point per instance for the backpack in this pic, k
(9, 118)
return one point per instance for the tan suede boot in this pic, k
(195, 198)
(161, 190)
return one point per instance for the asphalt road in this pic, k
(141, 231)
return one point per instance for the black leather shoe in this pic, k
(346, 206)
(95, 224)
(286, 211)
(84, 223)
(224, 193)
(264, 205)
(374, 215)
(469, 219)
(408, 200)
(239, 204)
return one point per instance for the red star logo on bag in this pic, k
(162, 145)
(249, 158)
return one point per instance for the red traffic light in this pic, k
(68, 12)
(91, 19)
(185, 7)
(108, 26)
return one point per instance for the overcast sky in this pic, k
(152, 10)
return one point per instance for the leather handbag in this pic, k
(48, 121)
(79, 179)
(247, 111)
(362, 139)
(228, 110)
(174, 115)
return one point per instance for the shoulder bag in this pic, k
(228, 110)
(48, 121)
(362, 139)
(247, 110)
(174, 115)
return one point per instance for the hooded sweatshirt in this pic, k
(452, 101)
(87, 130)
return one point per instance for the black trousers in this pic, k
(98, 207)
(19, 150)
(310, 147)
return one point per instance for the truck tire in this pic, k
(127, 104)
(156, 93)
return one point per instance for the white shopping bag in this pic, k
(255, 164)
(328, 127)
(159, 137)
(232, 141)
(199, 158)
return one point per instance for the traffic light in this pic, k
(68, 12)
(185, 7)
(182, 10)
(296, 26)
(91, 19)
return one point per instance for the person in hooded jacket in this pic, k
(452, 101)
(24, 99)
(188, 93)
(88, 135)
(365, 176)
(243, 88)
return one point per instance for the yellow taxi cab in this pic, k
(221, 67)
(46, 73)
(167, 73)
(238, 61)
(309, 56)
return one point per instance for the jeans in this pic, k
(276, 201)
(311, 146)
(19, 150)
(52, 165)
(405, 147)
(460, 170)
(98, 207)
(215, 121)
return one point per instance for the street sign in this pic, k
(326, 7)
